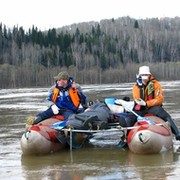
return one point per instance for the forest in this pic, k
(109, 51)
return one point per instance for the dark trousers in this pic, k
(155, 110)
(158, 111)
(49, 113)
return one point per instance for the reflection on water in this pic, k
(88, 163)
(97, 163)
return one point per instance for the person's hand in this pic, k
(140, 102)
(55, 109)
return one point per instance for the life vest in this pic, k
(73, 93)
(148, 92)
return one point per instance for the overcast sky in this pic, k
(45, 14)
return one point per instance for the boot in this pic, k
(30, 120)
(174, 128)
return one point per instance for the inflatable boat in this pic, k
(41, 139)
(149, 135)
(147, 138)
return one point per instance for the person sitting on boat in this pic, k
(148, 96)
(65, 98)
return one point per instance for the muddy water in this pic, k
(87, 163)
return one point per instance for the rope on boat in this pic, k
(117, 128)
(114, 129)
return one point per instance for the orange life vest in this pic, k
(73, 93)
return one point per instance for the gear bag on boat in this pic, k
(96, 118)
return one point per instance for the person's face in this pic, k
(145, 78)
(62, 83)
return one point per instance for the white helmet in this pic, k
(144, 70)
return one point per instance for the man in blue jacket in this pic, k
(65, 98)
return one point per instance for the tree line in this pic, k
(109, 51)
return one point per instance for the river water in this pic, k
(87, 163)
